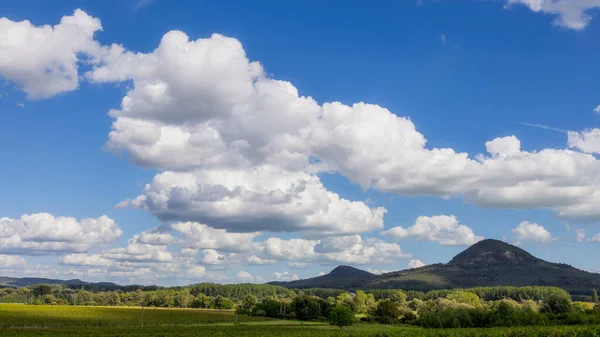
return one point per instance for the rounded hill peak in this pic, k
(492, 252)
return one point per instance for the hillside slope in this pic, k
(486, 263)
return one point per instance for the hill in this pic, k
(345, 277)
(28, 281)
(486, 263)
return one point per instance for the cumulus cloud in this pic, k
(139, 252)
(11, 261)
(415, 263)
(255, 260)
(572, 14)
(258, 198)
(43, 233)
(299, 265)
(199, 236)
(597, 109)
(244, 277)
(84, 260)
(581, 236)
(217, 125)
(528, 231)
(212, 257)
(42, 271)
(43, 60)
(378, 271)
(587, 141)
(443, 229)
(240, 150)
(348, 250)
(285, 276)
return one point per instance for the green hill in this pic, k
(486, 263)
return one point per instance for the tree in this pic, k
(399, 297)
(341, 316)
(360, 301)
(388, 312)
(465, 297)
(594, 296)
(308, 307)
(557, 304)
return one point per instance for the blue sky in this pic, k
(253, 175)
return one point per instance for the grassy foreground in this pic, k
(17, 320)
(43, 316)
(302, 331)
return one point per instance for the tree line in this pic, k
(457, 308)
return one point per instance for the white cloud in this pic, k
(85, 260)
(285, 276)
(155, 238)
(258, 198)
(244, 277)
(86, 273)
(378, 271)
(415, 263)
(11, 261)
(42, 233)
(443, 39)
(443, 229)
(580, 236)
(597, 109)
(208, 116)
(21, 105)
(528, 231)
(199, 236)
(347, 250)
(212, 257)
(572, 14)
(42, 271)
(255, 260)
(298, 265)
(139, 252)
(587, 141)
(240, 150)
(43, 60)
(189, 251)
(321, 273)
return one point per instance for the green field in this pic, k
(19, 320)
(21, 315)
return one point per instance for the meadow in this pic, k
(18, 320)
(42, 316)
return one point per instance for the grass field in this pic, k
(21, 315)
(17, 320)
(301, 331)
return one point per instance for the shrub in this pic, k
(556, 304)
(387, 312)
(341, 316)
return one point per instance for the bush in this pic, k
(341, 316)
(556, 304)
(388, 312)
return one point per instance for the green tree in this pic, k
(594, 296)
(341, 316)
(557, 304)
(465, 297)
(360, 301)
(399, 297)
(387, 312)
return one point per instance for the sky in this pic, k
(170, 143)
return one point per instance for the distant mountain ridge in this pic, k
(28, 281)
(486, 263)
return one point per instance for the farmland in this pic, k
(20, 315)
(46, 321)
